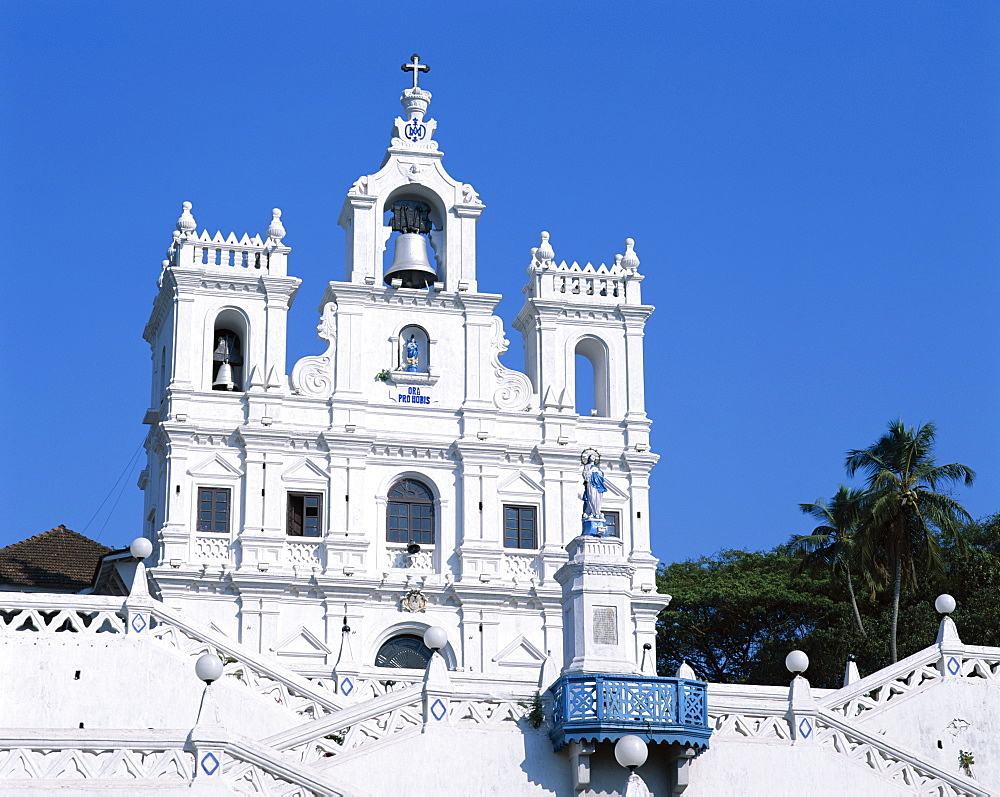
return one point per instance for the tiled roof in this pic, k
(58, 559)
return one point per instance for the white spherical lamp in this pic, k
(208, 667)
(435, 637)
(631, 751)
(797, 662)
(945, 604)
(140, 548)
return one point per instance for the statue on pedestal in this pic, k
(593, 487)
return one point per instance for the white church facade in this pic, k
(414, 570)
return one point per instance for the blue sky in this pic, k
(813, 189)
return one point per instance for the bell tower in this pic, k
(427, 207)
(217, 334)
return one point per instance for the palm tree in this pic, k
(831, 544)
(901, 510)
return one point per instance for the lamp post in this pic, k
(631, 752)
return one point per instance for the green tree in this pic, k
(831, 544)
(735, 615)
(901, 509)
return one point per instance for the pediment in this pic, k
(304, 470)
(520, 483)
(520, 653)
(613, 490)
(301, 644)
(216, 466)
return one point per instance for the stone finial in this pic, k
(186, 223)
(545, 253)
(851, 674)
(631, 259)
(686, 671)
(275, 230)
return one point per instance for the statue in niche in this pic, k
(412, 354)
(593, 488)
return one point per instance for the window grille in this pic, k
(407, 651)
(520, 526)
(410, 513)
(213, 509)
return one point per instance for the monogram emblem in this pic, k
(415, 131)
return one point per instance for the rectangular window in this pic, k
(613, 523)
(520, 527)
(305, 514)
(213, 509)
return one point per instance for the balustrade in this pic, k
(611, 706)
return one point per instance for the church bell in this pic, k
(224, 379)
(410, 262)
(411, 219)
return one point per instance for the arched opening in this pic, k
(406, 651)
(410, 513)
(410, 258)
(593, 393)
(584, 386)
(228, 352)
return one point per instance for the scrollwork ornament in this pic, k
(514, 388)
(313, 376)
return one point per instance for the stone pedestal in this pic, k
(597, 590)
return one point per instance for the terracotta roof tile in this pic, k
(58, 559)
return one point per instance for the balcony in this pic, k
(594, 707)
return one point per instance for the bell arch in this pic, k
(228, 351)
(413, 219)
(595, 355)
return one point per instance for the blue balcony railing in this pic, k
(606, 707)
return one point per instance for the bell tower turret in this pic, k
(426, 205)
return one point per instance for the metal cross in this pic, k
(416, 68)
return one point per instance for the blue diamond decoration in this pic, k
(138, 623)
(438, 710)
(209, 763)
(346, 687)
(805, 727)
(954, 666)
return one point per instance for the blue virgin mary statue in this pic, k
(593, 488)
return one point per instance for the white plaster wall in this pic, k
(124, 682)
(780, 769)
(459, 761)
(925, 720)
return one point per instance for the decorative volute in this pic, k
(412, 172)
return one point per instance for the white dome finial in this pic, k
(545, 252)
(631, 259)
(186, 223)
(276, 230)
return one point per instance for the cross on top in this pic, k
(416, 68)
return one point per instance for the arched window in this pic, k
(410, 513)
(227, 361)
(407, 651)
